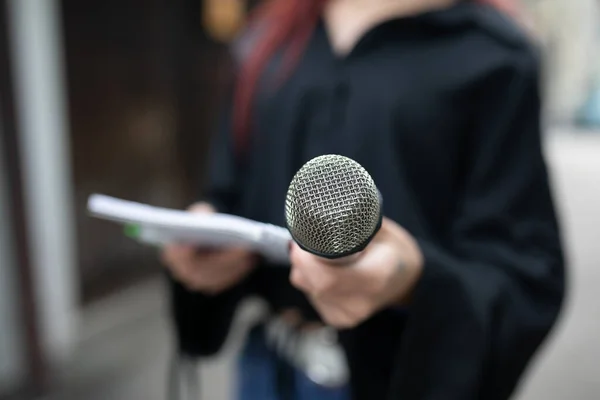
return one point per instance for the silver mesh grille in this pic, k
(332, 206)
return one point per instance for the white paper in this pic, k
(161, 226)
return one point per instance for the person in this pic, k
(439, 101)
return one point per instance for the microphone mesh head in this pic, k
(332, 207)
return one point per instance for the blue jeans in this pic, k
(262, 375)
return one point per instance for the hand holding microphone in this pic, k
(349, 260)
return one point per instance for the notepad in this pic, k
(160, 226)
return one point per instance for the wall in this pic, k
(37, 65)
(569, 33)
(11, 346)
(567, 368)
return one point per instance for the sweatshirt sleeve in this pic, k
(202, 322)
(492, 290)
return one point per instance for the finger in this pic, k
(212, 281)
(298, 279)
(358, 308)
(334, 315)
(201, 274)
(197, 279)
(180, 271)
(204, 259)
(175, 253)
(305, 274)
(316, 276)
(202, 208)
(228, 258)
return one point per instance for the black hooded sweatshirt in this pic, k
(443, 110)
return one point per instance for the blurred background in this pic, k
(120, 97)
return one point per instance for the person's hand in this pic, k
(204, 270)
(383, 275)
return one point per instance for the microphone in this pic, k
(333, 208)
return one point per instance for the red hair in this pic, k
(289, 23)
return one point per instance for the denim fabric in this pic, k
(262, 375)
